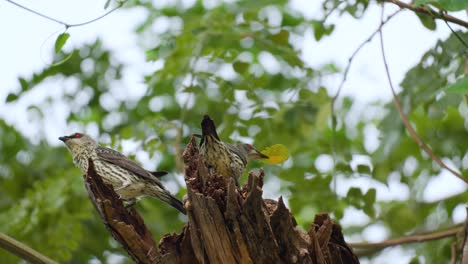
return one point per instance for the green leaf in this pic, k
(370, 195)
(329, 29)
(61, 40)
(453, 5)
(427, 21)
(24, 84)
(415, 260)
(319, 29)
(240, 67)
(106, 5)
(281, 38)
(364, 168)
(161, 51)
(11, 97)
(460, 86)
(290, 20)
(354, 193)
(449, 5)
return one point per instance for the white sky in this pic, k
(28, 39)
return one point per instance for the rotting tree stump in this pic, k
(226, 225)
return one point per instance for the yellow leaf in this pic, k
(277, 153)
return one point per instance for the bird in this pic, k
(129, 180)
(227, 160)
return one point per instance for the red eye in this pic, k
(250, 146)
(77, 135)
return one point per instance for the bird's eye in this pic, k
(250, 146)
(77, 135)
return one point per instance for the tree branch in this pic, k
(464, 246)
(431, 13)
(67, 25)
(23, 251)
(403, 116)
(409, 239)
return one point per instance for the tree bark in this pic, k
(225, 224)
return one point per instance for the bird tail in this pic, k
(208, 127)
(177, 204)
(158, 174)
(166, 197)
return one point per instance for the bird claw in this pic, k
(129, 203)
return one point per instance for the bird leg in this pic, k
(129, 203)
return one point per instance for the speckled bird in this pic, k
(129, 180)
(228, 160)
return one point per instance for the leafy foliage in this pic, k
(240, 63)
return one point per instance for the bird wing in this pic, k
(120, 160)
(235, 149)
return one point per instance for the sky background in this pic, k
(27, 42)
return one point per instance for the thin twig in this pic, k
(456, 35)
(464, 246)
(340, 87)
(435, 15)
(409, 239)
(356, 51)
(23, 251)
(332, 10)
(67, 25)
(453, 255)
(404, 118)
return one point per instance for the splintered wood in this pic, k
(126, 226)
(227, 225)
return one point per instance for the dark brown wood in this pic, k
(225, 224)
(231, 225)
(126, 226)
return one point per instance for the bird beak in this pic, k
(64, 138)
(260, 155)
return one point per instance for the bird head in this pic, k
(78, 142)
(251, 152)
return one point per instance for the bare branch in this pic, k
(67, 25)
(453, 253)
(431, 13)
(404, 118)
(23, 251)
(464, 249)
(416, 238)
(356, 51)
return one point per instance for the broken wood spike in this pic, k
(126, 226)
